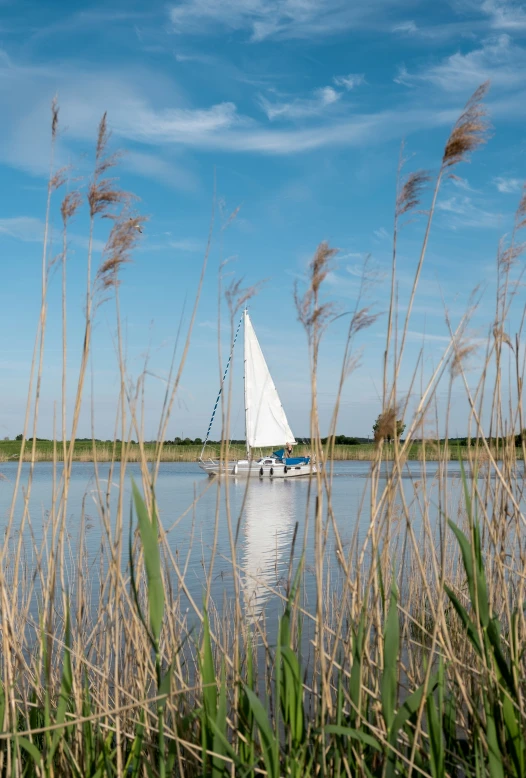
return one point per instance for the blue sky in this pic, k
(298, 107)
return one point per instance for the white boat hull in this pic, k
(254, 469)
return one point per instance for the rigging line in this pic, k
(222, 384)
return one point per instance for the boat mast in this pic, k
(245, 316)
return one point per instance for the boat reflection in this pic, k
(269, 519)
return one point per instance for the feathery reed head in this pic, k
(520, 214)
(122, 239)
(310, 313)
(386, 425)
(103, 136)
(237, 296)
(501, 336)
(103, 195)
(411, 191)
(470, 130)
(507, 257)
(54, 117)
(362, 319)
(59, 178)
(464, 348)
(70, 205)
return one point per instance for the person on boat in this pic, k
(288, 450)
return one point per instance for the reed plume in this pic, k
(470, 130)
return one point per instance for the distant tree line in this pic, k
(339, 440)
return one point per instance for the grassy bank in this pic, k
(86, 451)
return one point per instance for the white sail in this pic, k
(266, 423)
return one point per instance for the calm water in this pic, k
(267, 512)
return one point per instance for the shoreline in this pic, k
(106, 452)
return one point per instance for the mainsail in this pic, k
(266, 423)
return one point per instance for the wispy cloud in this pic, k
(508, 185)
(408, 27)
(498, 59)
(187, 245)
(462, 183)
(25, 228)
(301, 108)
(381, 234)
(505, 15)
(161, 169)
(463, 212)
(350, 81)
(137, 115)
(403, 76)
(30, 229)
(264, 19)
(414, 335)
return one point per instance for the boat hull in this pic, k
(246, 469)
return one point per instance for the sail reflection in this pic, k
(268, 527)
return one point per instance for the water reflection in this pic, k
(268, 528)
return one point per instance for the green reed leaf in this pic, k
(152, 561)
(390, 672)
(66, 686)
(269, 742)
(353, 734)
(31, 749)
(495, 757)
(466, 621)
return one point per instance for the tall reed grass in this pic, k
(415, 660)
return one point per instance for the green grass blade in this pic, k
(65, 691)
(133, 582)
(466, 621)
(220, 727)
(208, 670)
(408, 709)
(495, 758)
(31, 749)
(152, 562)
(355, 681)
(353, 734)
(391, 647)
(269, 743)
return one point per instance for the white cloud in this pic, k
(149, 110)
(462, 212)
(25, 228)
(168, 124)
(508, 185)
(381, 234)
(284, 19)
(505, 15)
(462, 183)
(151, 166)
(301, 108)
(407, 27)
(30, 229)
(351, 81)
(403, 77)
(414, 335)
(498, 59)
(187, 245)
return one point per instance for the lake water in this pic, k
(268, 515)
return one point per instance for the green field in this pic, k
(86, 451)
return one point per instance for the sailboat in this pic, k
(265, 421)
